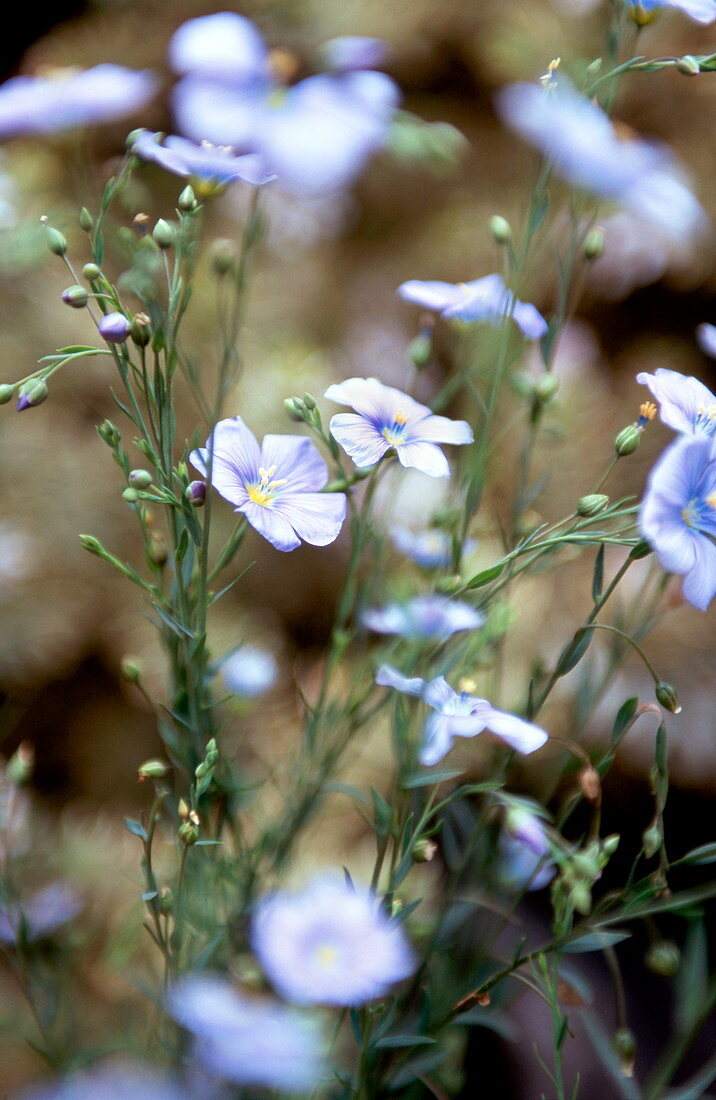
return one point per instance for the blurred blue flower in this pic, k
(685, 404)
(706, 336)
(702, 11)
(205, 161)
(249, 671)
(314, 136)
(525, 855)
(248, 1041)
(355, 52)
(579, 139)
(68, 98)
(387, 419)
(485, 299)
(329, 944)
(41, 915)
(678, 515)
(424, 617)
(115, 1080)
(276, 486)
(459, 715)
(430, 549)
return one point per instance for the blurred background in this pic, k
(322, 307)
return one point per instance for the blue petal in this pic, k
(317, 518)
(224, 44)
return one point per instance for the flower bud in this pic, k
(590, 783)
(420, 350)
(91, 272)
(109, 433)
(114, 328)
(188, 834)
(153, 769)
(667, 697)
(85, 220)
(610, 844)
(141, 330)
(157, 551)
(56, 242)
(627, 440)
(31, 393)
(500, 229)
(581, 897)
(163, 234)
(130, 495)
(424, 850)
(223, 256)
(131, 668)
(295, 409)
(652, 838)
(309, 401)
(663, 958)
(75, 296)
(196, 493)
(545, 387)
(624, 1045)
(183, 809)
(20, 765)
(594, 243)
(6, 393)
(89, 542)
(688, 65)
(166, 900)
(187, 200)
(140, 479)
(592, 504)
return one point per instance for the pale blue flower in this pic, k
(249, 1041)
(68, 98)
(387, 419)
(526, 862)
(702, 11)
(433, 617)
(685, 404)
(205, 161)
(120, 1079)
(459, 715)
(315, 136)
(249, 671)
(329, 944)
(486, 299)
(276, 486)
(354, 52)
(43, 914)
(678, 515)
(706, 336)
(584, 147)
(430, 549)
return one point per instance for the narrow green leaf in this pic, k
(598, 575)
(427, 779)
(391, 1041)
(705, 853)
(486, 576)
(596, 941)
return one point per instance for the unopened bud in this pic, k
(223, 256)
(157, 551)
(500, 229)
(130, 495)
(93, 545)
(163, 234)
(590, 783)
(85, 220)
(688, 65)
(667, 697)
(56, 241)
(309, 401)
(6, 393)
(31, 393)
(627, 440)
(91, 272)
(592, 504)
(546, 387)
(295, 409)
(153, 769)
(141, 330)
(196, 493)
(594, 243)
(132, 669)
(624, 1045)
(188, 834)
(140, 479)
(166, 900)
(424, 850)
(183, 809)
(75, 296)
(420, 350)
(114, 328)
(581, 897)
(610, 844)
(652, 838)
(20, 765)
(187, 200)
(109, 433)
(663, 958)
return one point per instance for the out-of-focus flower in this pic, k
(354, 52)
(584, 147)
(702, 11)
(459, 715)
(276, 486)
(685, 404)
(329, 944)
(315, 136)
(41, 915)
(248, 1041)
(525, 859)
(430, 549)
(387, 419)
(706, 336)
(424, 617)
(114, 328)
(68, 98)
(115, 1080)
(485, 299)
(204, 162)
(678, 515)
(249, 671)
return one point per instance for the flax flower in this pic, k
(425, 617)
(486, 299)
(685, 404)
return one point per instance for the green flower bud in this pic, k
(202, 769)
(592, 504)
(20, 766)
(420, 350)
(91, 272)
(75, 296)
(187, 200)
(652, 839)
(581, 897)
(309, 401)
(295, 409)
(546, 387)
(586, 865)
(594, 67)
(663, 959)
(140, 330)
(594, 244)
(158, 551)
(31, 393)
(223, 256)
(130, 495)
(610, 844)
(166, 900)
(424, 850)
(666, 695)
(153, 769)
(688, 65)
(624, 1044)
(6, 393)
(89, 542)
(140, 479)
(56, 242)
(163, 234)
(627, 440)
(500, 229)
(107, 432)
(85, 220)
(188, 834)
(132, 669)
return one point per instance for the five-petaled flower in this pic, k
(678, 514)
(459, 715)
(215, 163)
(276, 486)
(486, 299)
(329, 944)
(387, 419)
(432, 617)
(685, 404)
(701, 11)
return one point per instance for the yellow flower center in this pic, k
(326, 954)
(709, 411)
(264, 491)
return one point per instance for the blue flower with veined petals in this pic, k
(678, 515)
(486, 299)
(459, 715)
(702, 11)
(387, 419)
(685, 404)
(314, 136)
(205, 162)
(433, 617)
(276, 486)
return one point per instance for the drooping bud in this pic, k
(196, 493)
(153, 769)
(6, 393)
(593, 243)
(663, 958)
(114, 328)
(91, 272)
(592, 504)
(56, 242)
(75, 296)
(500, 229)
(667, 697)
(163, 234)
(140, 479)
(627, 440)
(688, 65)
(187, 200)
(31, 393)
